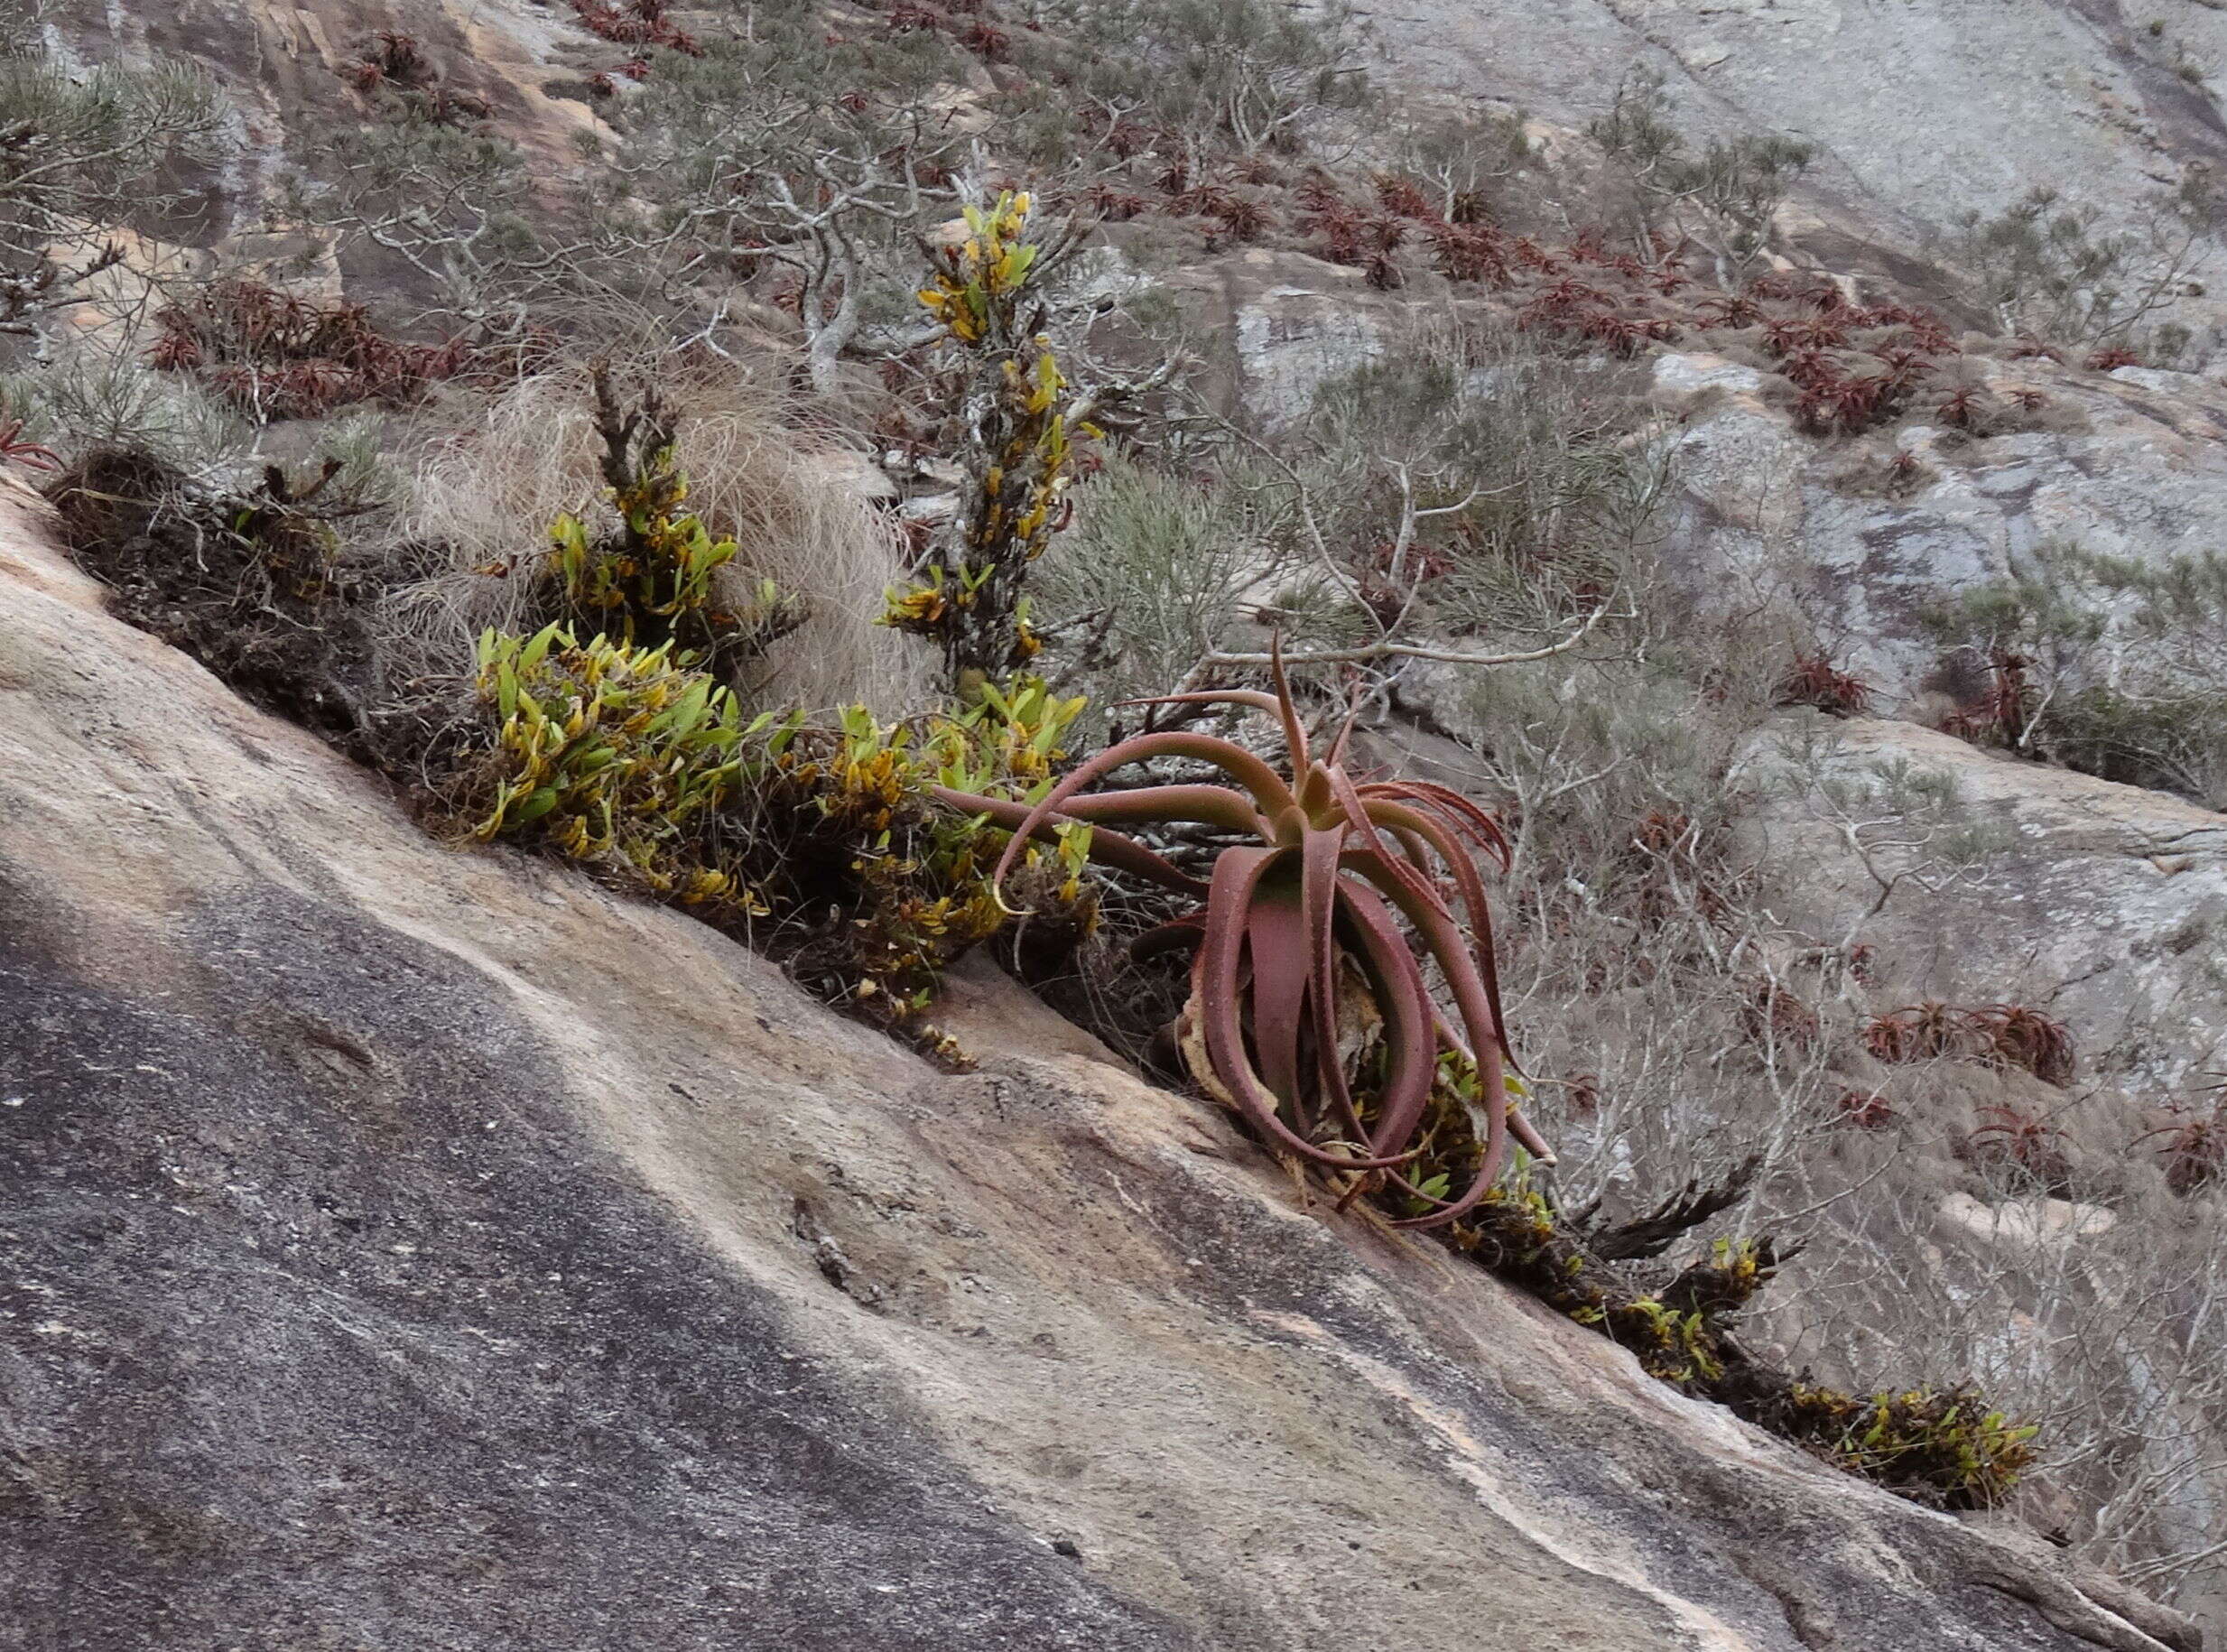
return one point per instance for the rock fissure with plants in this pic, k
(1157, 496)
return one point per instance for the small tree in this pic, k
(80, 154)
(2050, 268)
(1019, 421)
(1724, 198)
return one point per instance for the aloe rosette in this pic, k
(1336, 868)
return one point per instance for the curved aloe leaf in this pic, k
(1270, 795)
(1236, 875)
(1411, 1045)
(1124, 854)
(1276, 942)
(1398, 817)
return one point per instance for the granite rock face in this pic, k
(2104, 904)
(1919, 110)
(2131, 467)
(410, 1248)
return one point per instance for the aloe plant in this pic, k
(1321, 902)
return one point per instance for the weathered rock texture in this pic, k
(2104, 904)
(1921, 109)
(415, 1248)
(2131, 466)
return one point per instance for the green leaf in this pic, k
(535, 807)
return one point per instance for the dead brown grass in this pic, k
(500, 469)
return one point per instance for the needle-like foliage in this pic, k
(1315, 912)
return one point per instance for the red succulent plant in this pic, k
(1317, 909)
(2195, 1151)
(30, 453)
(1812, 681)
(2012, 1138)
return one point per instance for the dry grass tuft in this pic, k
(511, 463)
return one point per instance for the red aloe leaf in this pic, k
(1211, 805)
(1409, 1016)
(1268, 792)
(1461, 815)
(1398, 817)
(1124, 854)
(1449, 949)
(1184, 933)
(1276, 941)
(1318, 895)
(1286, 710)
(1236, 875)
(1295, 733)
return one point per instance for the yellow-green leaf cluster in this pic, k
(655, 580)
(1021, 455)
(1948, 1442)
(620, 754)
(634, 760)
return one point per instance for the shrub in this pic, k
(2105, 664)
(1244, 74)
(656, 578)
(1017, 451)
(1146, 579)
(2044, 267)
(1725, 197)
(84, 151)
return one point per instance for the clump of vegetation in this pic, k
(1813, 681)
(607, 749)
(1017, 449)
(1996, 1035)
(251, 580)
(628, 749)
(636, 22)
(1945, 1447)
(2028, 1148)
(396, 73)
(274, 355)
(639, 763)
(2194, 1151)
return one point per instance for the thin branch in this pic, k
(1387, 649)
